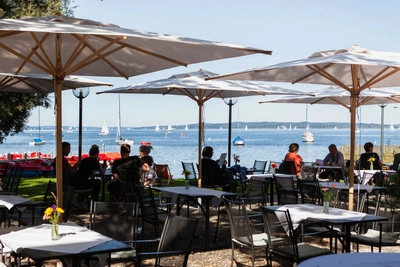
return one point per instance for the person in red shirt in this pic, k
(293, 156)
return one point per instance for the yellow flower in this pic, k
(371, 160)
(59, 210)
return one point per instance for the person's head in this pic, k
(207, 152)
(332, 149)
(66, 148)
(293, 147)
(125, 150)
(148, 160)
(144, 150)
(94, 151)
(368, 147)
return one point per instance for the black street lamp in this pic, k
(230, 103)
(80, 93)
(382, 130)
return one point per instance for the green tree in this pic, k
(15, 108)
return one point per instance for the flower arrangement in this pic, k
(187, 173)
(236, 158)
(274, 165)
(53, 213)
(371, 161)
(326, 193)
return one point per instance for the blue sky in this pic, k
(291, 29)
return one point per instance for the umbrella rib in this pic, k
(325, 74)
(77, 51)
(25, 59)
(45, 61)
(146, 51)
(314, 71)
(96, 56)
(377, 78)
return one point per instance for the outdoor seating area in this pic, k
(245, 219)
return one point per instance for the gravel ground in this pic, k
(217, 254)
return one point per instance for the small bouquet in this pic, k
(371, 161)
(326, 193)
(187, 173)
(53, 213)
(236, 158)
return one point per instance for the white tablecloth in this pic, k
(340, 185)
(9, 200)
(75, 239)
(300, 212)
(354, 260)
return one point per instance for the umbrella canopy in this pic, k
(61, 46)
(340, 96)
(354, 69)
(196, 88)
(42, 83)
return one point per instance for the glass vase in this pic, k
(326, 207)
(371, 166)
(187, 184)
(54, 232)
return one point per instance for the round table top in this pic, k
(354, 260)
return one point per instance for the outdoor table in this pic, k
(192, 194)
(357, 187)
(354, 260)
(75, 242)
(8, 202)
(267, 177)
(301, 212)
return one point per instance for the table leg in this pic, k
(207, 220)
(271, 192)
(347, 239)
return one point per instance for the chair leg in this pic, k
(216, 228)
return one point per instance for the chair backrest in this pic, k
(279, 229)
(358, 200)
(147, 204)
(232, 181)
(8, 175)
(308, 173)
(289, 167)
(239, 221)
(259, 166)
(310, 191)
(163, 173)
(189, 166)
(48, 198)
(15, 181)
(257, 192)
(177, 235)
(286, 190)
(128, 175)
(68, 195)
(128, 192)
(114, 219)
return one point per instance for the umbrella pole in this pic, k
(199, 143)
(59, 158)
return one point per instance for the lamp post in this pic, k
(80, 93)
(230, 103)
(382, 130)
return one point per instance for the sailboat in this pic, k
(307, 136)
(104, 129)
(246, 128)
(169, 128)
(38, 140)
(157, 128)
(70, 130)
(290, 127)
(238, 141)
(120, 139)
(186, 128)
(391, 127)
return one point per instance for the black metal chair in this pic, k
(286, 189)
(192, 177)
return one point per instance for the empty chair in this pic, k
(15, 181)
(163, 173)
(241, 232)
(289, 168)
(118, 221)
(258, 167)
(190, 167)
(282, 241)
(308, 173)
(286, 190)
(176, 239)
(310, 191)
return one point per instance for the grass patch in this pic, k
(34, 188)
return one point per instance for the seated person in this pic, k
(369, 158)
(396, 162)
(334, 158)
(84, 177)
(147, 177)
(130, 164)
(68, 170)
(294, 157)
(217, 171)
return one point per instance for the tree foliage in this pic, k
(15, 108)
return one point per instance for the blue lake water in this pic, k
(261, 144)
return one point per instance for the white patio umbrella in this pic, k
(61, 46)
(194, 86)
(42, 83)
(355, 69)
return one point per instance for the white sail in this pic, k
(391, 127)
(157, 128)
(70, 130)
(186, 128)
(120, 139)
(169, 127)
(307, 136)
(104, 129)
(246, 128)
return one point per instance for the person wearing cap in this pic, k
(396, 162)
